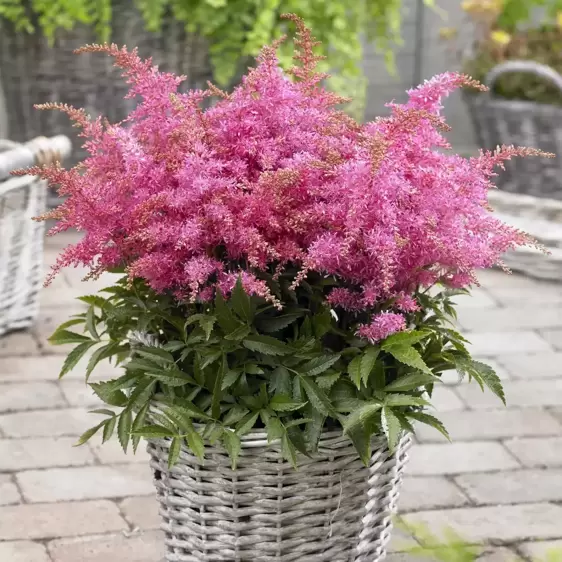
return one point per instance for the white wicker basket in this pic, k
(21, 238)
(333, 509)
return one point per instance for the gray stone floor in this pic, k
(498, 483)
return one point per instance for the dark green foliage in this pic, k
(212, 372)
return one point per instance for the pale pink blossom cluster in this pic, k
(275, 175)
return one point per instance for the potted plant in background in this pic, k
(516, 50)
(282, 316)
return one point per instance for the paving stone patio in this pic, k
(498, 483)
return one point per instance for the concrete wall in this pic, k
(434, 59)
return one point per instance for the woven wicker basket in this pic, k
(499, 121)
(333, 509)
(21, 239)
(35, 72)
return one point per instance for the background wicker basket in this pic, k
(500, 121)
(35, 72)
(21, 238)
(333, 509)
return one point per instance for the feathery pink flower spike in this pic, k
(275, 175)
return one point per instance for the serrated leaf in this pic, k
(354, 370)
(406, 339)
(361, 415)
(102, 412)
(233, 446)
(275, 429)
(408, 356)
(156, 354)
(225, 318)
(109, 428)
(108, 394)
(284, 403)
(87, 435)
(154, 432)
(318, 398)
(74, 356)
(138, 423)
(391, 427)
(318, 365)
(195, 443)
(322, 322)
(230, 378)
(288, 450)
(100, 354)
(69, 323)
(210, 358)
(266, 345)
(405, 400)
(124, 427)
(280, 381)
(239, 334)
(272, 324)
(488, 376)
(141, 393)
(362, 443)
(410, 381)
(241, 302)
(93, 300)
(91, 322)
(217, 389)
(246, 424)
(368, 361)
(325, 382)
(173, 378)
(174, 451)
(207, 324)
(62, 337)
(429, 420)
(234, 415)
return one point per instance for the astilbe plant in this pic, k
(285, 266)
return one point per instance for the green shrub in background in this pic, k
(453, 548)
(237, 29)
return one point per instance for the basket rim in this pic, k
(508, 104)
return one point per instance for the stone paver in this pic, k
(518, 318)
(112, 453)
(9, 493)
(519, 394)
(91, 482)
(421, 492)
(30, 396)
(141, 512)
(456, 458)
(540, 549)
(476, 425)
(554, 337)
(500, 480)
(545, 452)
(520, 486)
(52, 520)
(23, 551)
(145, 547)
(533, 365)
(496, 343)
(46, 423)
(18, 343)
(24, 454)
(507, 523)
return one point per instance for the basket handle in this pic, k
(38, 151)
(529, 66)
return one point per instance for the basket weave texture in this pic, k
(21, 238)
(332, 509)
(499, 121)
(90, 81)
(21, 249)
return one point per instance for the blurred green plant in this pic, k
(453, 548)
(514, 30)
(237, 29)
